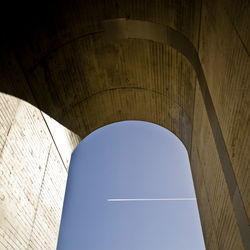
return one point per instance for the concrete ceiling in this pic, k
(85, 79)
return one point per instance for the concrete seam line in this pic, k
(135, 29)
(39, 195)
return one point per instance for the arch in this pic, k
(118, 29)
(74, 67)
(129, 159)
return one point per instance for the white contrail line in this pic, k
(160, 199)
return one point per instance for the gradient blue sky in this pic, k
(130, 159)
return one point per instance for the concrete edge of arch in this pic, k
(123, 28)
(135, 29)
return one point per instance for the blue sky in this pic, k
(130, 160)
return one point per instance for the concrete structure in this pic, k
(181, 64)
(33, 173)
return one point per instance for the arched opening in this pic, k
(130, 187)
(87, 72)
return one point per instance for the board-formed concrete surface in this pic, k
(181, 64)
(33, 175)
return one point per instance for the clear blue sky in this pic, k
(123, 160)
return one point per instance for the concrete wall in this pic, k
(224, 54)
(86, 72)
(219, 224)
(225, 59)
(34, 167)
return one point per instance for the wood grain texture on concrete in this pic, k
(33, 176)
(227, 68)
(67, 59)
(219, 225)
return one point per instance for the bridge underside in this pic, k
(181, 64)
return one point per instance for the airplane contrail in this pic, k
(160, 199)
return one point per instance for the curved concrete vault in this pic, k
(181, 64)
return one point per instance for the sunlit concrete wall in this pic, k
(34, 158)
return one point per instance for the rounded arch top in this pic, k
(138, 123)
